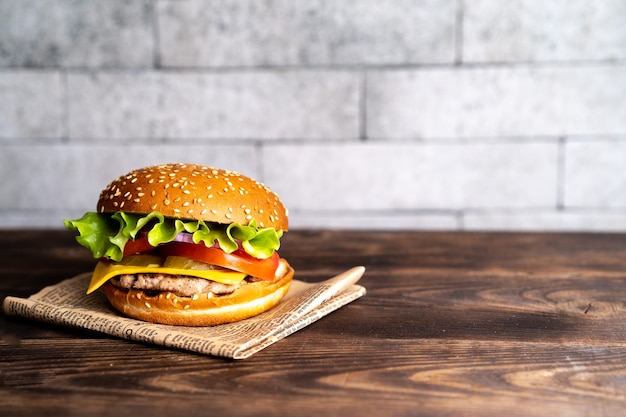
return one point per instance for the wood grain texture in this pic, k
(487, 324)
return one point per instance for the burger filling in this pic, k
(155, 253)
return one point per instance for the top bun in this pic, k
(189, 191)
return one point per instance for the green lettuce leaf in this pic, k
(105, 235)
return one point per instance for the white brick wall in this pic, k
(549, 31)
(497, 102)
(393, 114)
(229, 33)
(244, 105)
(31, 105)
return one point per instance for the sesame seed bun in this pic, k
(190, 191)
(203, 309)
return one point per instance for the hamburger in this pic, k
(186, 244)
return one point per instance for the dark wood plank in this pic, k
(453, 324)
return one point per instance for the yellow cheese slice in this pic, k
(152, 264)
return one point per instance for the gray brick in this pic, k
(491, 102)
(551, 30)
(594, 174)
(31, 105)
(389, 220)
(71, 33)
(283, 105)
(68, 178)
(412, 176)
(113, 105)
(323, 32)
(546, 220)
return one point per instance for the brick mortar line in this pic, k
(453, 65)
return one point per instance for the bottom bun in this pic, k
(206, 309)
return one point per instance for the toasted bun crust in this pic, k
(205, 309)
(198, 192)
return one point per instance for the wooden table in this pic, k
(488, 324)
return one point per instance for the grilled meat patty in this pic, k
(178, 284)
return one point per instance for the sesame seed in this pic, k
(176, 211)
(214, 211)
(187, 306)
(195, 297)
(148, 305)
(186, 204)
(138, 295)
(137, 200)
(228, 216)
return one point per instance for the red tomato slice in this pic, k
(138, 245)
(237, 260)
